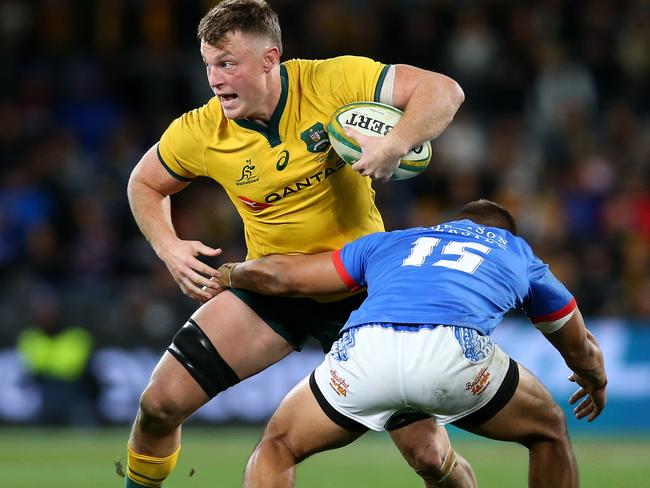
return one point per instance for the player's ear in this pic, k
(271, 58)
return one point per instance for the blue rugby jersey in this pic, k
(456, 273)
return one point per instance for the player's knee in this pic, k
(423, 458)
(278, 444)
(433, 465)
(426, 460)
(557, 424)
(159, 412)
(550, 428)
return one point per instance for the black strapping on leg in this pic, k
(193, 349)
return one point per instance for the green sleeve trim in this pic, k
(380, 82)
(171, 171)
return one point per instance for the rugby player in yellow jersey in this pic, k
(262, 139)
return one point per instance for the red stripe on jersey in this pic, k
(253, 205)
(563, 312)
(343, 273)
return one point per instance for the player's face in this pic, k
(238, 74)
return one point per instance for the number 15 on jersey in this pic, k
(466, 261)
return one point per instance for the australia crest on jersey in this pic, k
(247, 174)
(316, 138)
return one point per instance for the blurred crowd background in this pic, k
(555, 126)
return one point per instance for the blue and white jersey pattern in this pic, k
(457, 273)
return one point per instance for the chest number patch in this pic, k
(282, 161)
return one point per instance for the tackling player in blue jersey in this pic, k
(420, 341)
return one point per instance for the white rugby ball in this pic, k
(377, 120)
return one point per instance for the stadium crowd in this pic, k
(555, 126)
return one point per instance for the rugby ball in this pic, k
(375, 120)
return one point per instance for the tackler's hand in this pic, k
(214, 290)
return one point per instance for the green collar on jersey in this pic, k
(272, 132)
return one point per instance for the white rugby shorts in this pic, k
(377, 370)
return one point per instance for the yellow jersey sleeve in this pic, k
(349, 78)
(181, 147)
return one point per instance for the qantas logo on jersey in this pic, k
(305, 183)
(253, 205)
(247, 175)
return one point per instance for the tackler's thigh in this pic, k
(305, 427)
(530, 414)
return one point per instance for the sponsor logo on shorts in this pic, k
(480, 383)
(338, 384)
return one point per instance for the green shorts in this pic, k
(297, 319)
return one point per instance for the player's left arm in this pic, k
(583, 356)
(429, 101)
(284, 275)
(554, 311)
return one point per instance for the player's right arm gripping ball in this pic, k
(374, 120)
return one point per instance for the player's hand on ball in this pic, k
(362, 134)
(379, 157)
(191, 274)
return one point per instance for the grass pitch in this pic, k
(34, 458)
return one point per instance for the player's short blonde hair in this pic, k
(245, 16)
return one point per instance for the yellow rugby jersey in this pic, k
(292, 191)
